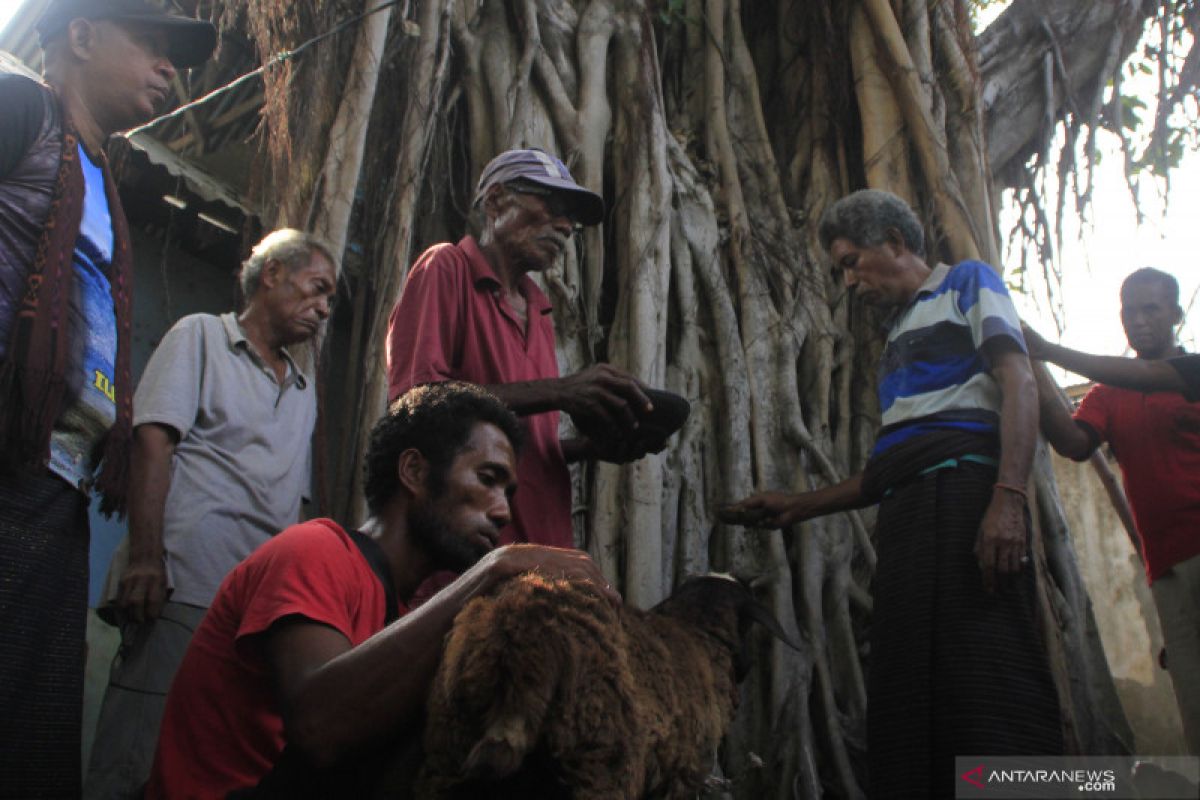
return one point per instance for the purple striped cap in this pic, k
(543, 169)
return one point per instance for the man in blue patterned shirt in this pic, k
(957, 665)
(66, 306)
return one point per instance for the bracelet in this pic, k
(1013, 488)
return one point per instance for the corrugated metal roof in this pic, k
(198, 179)
(19, 36)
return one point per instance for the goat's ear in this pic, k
(760, 614)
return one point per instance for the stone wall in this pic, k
(1124, 609)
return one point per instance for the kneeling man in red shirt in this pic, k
(298, 648)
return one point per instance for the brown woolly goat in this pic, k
(547, 691)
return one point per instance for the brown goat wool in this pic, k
(546, 690)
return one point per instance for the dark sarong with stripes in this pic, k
(43, 608)
(953, 670)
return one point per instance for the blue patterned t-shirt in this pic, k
(89, 409)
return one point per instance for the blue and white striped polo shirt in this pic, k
(933, 375)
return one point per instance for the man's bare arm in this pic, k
(143, 584)
(601, 392)
(1002, 536)
(335, 697)
(1138, 374)
(781, 509)
(1064, 434)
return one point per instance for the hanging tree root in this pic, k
(718, 136)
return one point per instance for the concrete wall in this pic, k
(1124, 609)
(167, 287)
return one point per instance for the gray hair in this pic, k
(864, 218)
(290, 247)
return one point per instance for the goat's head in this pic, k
(724, 608)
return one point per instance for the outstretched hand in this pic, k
(1038, 347)
(605, 395)
(767, 510)
(554, 562)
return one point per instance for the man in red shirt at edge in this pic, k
(296, 648)
(1145, 409)
(469, 311)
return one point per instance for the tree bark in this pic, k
(330, 213)
(1012, 52)
(718, 132)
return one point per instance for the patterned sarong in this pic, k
(43, 607)
(953, 670)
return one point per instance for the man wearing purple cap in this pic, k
(65, 387)
(469, 311)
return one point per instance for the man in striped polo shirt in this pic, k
(957, 664)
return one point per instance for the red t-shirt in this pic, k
(451, 323)
(222, 728)
(1156, 439)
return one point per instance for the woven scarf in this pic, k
(33, 378)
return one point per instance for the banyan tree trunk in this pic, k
(717, 131)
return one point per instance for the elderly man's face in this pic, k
(460, 520)
(299, 299)
(128, 73)
(875, 273)
(531, 229)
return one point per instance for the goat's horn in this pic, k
(759, 613)
(762, 580)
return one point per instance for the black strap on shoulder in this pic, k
(1188, 367)
(373, 553)
(294, 776)
(27, 104)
